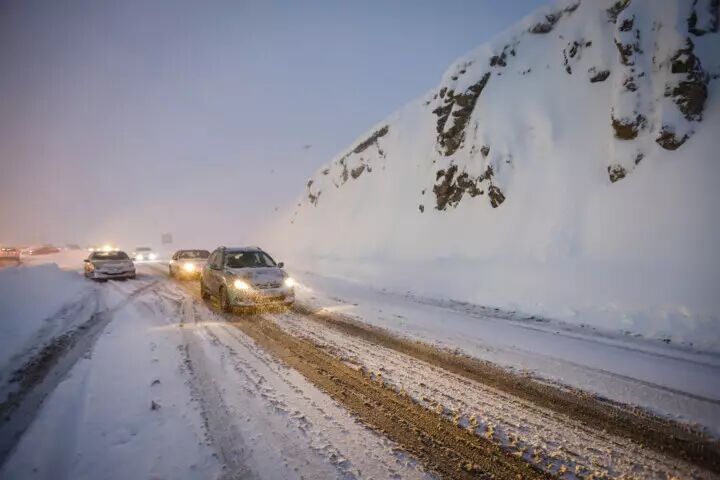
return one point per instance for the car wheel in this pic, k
(203, 291)
(225, 301)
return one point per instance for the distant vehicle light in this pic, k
(138, 256)
(241, 285)
(290, 282)
(107, 248)
(152, 256)
(189, 267)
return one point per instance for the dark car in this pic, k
(188, 263)
(44, 250)
(245, 277)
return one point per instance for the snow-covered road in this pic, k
(171, 391)
(149, 381)
(666, 379)
(539, 435)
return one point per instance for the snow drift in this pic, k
(30, 298)
(568, 168)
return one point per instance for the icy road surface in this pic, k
(674, 381)
(142, 379)
(165, 394)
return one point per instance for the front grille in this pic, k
(265, 285)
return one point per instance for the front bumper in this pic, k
(182, 273)
(101, 275)
(267, 296)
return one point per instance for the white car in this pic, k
(105, 265)
(188, 263)
(144, 254)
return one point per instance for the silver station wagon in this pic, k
(245, 277)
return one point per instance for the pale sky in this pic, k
(123, 119)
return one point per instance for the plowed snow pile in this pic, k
(568, 168)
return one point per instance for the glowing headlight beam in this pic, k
(290, 282)
(152, 256)
(241, 285)
(189, 267)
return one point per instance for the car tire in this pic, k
(203, 291)
(225, 301)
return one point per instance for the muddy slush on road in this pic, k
(453, 450)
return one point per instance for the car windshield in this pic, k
(110, 256)
(194, 254)
(248, 260)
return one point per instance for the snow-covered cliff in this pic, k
(570, 167)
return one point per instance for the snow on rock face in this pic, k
(653, 59)
(584, 133)
(353, 164)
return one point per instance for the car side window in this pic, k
(215, 259)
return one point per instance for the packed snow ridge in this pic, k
(566, 168)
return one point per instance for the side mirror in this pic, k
(281, 264)
(86, 260)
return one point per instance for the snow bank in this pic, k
(100, 422)
(567, 168)
(29, 297)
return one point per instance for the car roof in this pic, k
(242, 249)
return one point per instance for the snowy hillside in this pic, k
(568, 168)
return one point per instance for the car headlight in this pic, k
(189, 267)
(241, 285)
(152, 256)
(138, 256)
(290, 282)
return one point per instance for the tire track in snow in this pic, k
(555, 442)
(44, 371)
(83, 306)
(442, 446)
(664, 436)
(217, 417)
(281, 415)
